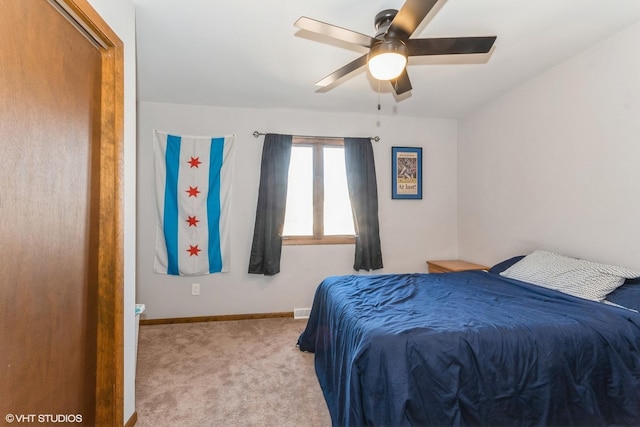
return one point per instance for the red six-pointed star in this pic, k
(193, 191)
(193, 250)
(193, 221)
(194, 162)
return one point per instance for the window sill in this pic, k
(332, 240)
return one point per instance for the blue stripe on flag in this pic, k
(172, 159)
(213, 204)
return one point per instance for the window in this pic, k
(318, 207)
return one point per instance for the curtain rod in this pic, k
(374, 138)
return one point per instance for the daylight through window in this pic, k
(318, 207)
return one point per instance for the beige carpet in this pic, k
(228, 373)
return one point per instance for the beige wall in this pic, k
(411, 231)
(554, 163)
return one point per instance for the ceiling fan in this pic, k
(392, 45)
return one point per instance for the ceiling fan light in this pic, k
(387, 60)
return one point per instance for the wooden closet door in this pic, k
(50, 112)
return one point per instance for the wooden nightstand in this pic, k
(451, 265)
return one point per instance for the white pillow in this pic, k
(577, 277)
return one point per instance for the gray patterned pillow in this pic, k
(577, 277)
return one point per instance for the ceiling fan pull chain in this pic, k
(378, 95)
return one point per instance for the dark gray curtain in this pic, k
(363, 191)
(272, 199)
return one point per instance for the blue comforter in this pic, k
(471, 348)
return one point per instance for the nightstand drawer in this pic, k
(453, 265)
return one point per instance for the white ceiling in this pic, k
(247, 53)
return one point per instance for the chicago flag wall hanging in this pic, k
(193, 193)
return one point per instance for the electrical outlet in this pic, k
(195, 289)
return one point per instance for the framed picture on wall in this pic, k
(406, 172)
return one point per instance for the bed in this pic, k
(472, 348)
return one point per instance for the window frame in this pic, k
(318, 237)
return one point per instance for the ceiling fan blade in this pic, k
(329, 30)
(450, 45)
(410, 16)
(350, 67)
(402, 84)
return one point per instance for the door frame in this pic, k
(110, 314)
